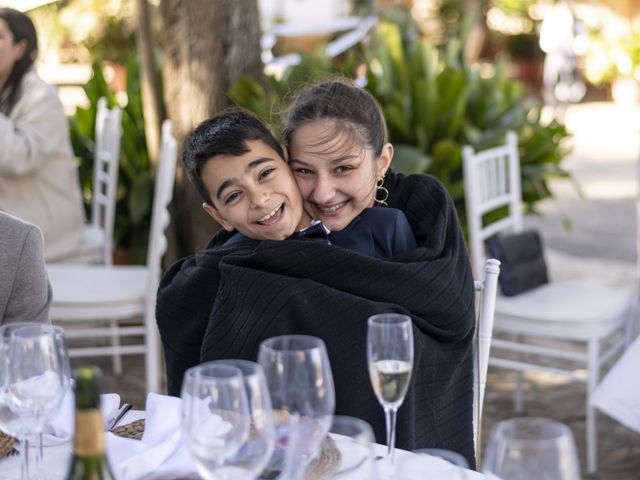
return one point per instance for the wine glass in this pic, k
(353, 438)
(300, 383)
(60, 343)
(34, 383)
(412, 466)
(215, 416)
(525, 448)
(249, 461)
(390, 359)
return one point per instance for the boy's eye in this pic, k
(230, 198)
(266, 172)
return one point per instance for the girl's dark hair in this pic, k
(21, 28)
(352, 108)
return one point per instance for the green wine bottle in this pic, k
(89, 461)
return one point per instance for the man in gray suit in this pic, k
(25, 293)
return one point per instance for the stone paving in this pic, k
(603, 233)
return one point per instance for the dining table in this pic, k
(57, 459)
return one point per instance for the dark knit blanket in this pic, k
(225, 300)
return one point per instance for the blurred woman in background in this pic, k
(38, 173)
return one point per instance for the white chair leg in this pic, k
(152, 360)
(116, 358)
(593, 372)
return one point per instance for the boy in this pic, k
(239, 170)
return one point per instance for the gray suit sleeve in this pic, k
(30, 296)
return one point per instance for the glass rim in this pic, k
(197, 372)
(346, 419)
(508, 428)
(19, 332)
(388, 319)
(313, 343)
(253, 368)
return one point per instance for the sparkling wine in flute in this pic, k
(390, 379)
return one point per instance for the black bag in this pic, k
(522, 261)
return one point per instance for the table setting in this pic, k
(235, 419)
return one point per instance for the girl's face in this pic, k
(10, 52)
(335, 173)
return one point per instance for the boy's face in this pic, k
(254, 193)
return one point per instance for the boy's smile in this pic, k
(254, 193)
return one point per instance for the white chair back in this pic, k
(486, 291)
(492, 181)
(165, 179)
(108, 133)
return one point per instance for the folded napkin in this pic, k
(161, 452)
(60, 428)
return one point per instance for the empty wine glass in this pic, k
(390, 359)
(353, 438)
(300, 383)
(249, 461)
(526, 448)
(65, 367)
(215, 415)
(33, 383)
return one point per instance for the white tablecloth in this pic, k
(57, 459)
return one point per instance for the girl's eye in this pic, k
(343, 169)
(231, 197)
(302, 171)
(266, 172)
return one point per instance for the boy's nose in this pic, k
(260, 198)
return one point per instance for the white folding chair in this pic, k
(96, 295)
(486, 291)
(97, 243)
(546, 321)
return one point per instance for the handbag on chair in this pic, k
(523, 267)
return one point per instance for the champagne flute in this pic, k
(390, 359)
(215, 416)
(302, 393)
(525, 448)
(249, 461)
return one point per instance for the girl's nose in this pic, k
(323, 190)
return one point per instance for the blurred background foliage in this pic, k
(434, 104)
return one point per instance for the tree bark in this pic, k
(151, 103)
(207, 46)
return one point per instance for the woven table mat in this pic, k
(6, 445)
(130, 430)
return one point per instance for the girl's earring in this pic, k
(381, 192)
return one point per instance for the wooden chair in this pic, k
(93, 302)
(548, 321)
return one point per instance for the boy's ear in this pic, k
(383, 162)
(217, 216)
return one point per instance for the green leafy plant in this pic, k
(135, 177)
(434, 104)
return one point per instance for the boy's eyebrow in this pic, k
(250, 166)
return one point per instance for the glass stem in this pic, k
(24, 459)
(39, 454)
(390, 420)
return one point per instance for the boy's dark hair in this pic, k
(21, 28)
(352, 108)
(224, 134)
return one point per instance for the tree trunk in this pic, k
(478, 33)
(207, 46)
(148, 80)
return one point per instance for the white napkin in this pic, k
(618, 395)
(161, 453)
(60, 429)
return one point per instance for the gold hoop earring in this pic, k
(382, 191)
